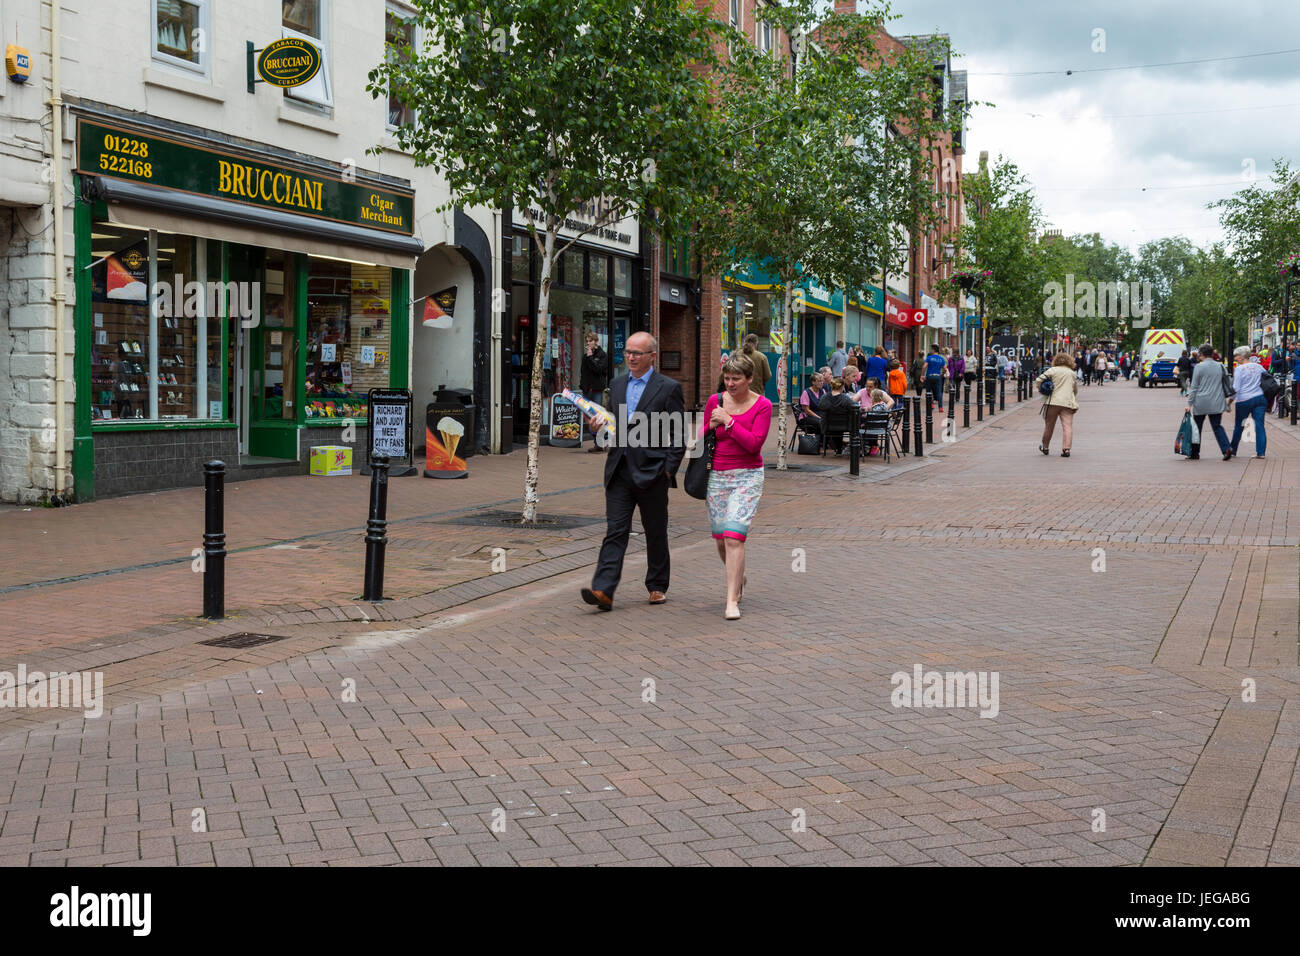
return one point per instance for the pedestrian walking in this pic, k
(1250, 403)
(1184, 372)
(897, 380)
(1060, 405)
(917, 373)
(593, 376)
(638, 477)
(1209, 396)
(740, 419)
(839, 358)
(878, 364)
(1100, 365)
(934, 370)
(970, 367)
(956, 367)
(762, 370)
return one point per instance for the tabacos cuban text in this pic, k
(953, 689)
(80, 690)
(179, 298)
(77, 909)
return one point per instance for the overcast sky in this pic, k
(1085, 152)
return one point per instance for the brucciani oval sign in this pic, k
(289, 62)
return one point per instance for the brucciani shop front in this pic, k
(231, 303)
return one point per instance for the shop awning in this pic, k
(148, 207)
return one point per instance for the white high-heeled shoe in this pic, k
(732, 615)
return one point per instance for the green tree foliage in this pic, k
(595, 107)
(826, 159)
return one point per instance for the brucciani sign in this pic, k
(208, 170)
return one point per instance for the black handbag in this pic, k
(809, 444)
(700, 467)
(1268, 384)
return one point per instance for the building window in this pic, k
(308, 20)
(180, 33)
(399, 33)
(153, 351)
(349, 348)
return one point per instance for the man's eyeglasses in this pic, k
(632, 352)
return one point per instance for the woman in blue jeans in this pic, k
(1250, 399)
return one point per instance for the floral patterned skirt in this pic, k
(732, 500)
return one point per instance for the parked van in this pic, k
(1158, 361)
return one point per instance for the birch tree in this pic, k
(582, 111)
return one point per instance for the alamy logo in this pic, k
(179, 298)
(81, 690)
(1087, 300)
(75, 908)
(953, 689)
(652, 430)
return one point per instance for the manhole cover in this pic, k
(510, 519)
(244, 639)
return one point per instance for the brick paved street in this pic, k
(482, 696)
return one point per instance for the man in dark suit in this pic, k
(637, 476)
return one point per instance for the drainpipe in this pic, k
(60, 297)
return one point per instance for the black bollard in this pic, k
(979, 398)
(1002, 395)
(214, 540)
(376, 530)
(929, 419)
(916, 425)
(907, 435)
(992, 396)
(1295, 398)
(965, 409)
(952, 405)
(855, 445)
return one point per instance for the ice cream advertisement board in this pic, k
(445, 438)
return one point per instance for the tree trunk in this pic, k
(783, 377)
(543, 331)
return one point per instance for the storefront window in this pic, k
(151, 342)
(598, 265)
(348, 336)
(520, 247)
(573, 314)
(744, 312)
(572, 274)
(623, 278)
(306, 20)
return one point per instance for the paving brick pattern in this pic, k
(483, 697)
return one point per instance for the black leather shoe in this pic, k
(599, 598)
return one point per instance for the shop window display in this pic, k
(147, 358)
(348, 337)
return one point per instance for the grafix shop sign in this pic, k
(903, 315)
(209, 170)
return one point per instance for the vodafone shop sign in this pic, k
(903, 315)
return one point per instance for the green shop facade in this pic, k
(752, 302)
(232, 302)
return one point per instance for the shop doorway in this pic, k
(266, 357)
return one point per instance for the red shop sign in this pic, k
(903, 315)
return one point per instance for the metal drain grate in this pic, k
(244, 639)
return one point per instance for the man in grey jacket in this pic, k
(1209, 396)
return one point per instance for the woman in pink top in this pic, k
(740, 420)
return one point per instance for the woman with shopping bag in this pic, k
(1208, 397)
(1059, 402)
